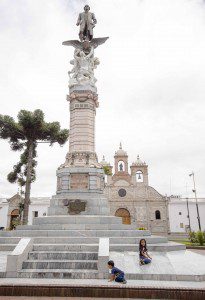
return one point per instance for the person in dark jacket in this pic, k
(116, 274)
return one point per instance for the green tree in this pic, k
(24, 135)
(107, 170)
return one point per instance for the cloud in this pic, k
(150, 83)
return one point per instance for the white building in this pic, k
(9, 209)
(179, 210)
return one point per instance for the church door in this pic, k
(124, 214)
(15, 214)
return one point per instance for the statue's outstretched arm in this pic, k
(94, 19)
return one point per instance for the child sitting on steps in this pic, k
(143, 254)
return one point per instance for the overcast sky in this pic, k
(151, 84)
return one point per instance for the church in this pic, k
(131, 197)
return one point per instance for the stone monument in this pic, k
(80, 180)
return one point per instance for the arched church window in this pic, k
(139, 176)
(157, 215)
(121, 166)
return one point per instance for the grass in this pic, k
(186, 242)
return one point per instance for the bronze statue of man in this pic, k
(87, 22)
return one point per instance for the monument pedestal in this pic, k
(80, 180)
(79, 191)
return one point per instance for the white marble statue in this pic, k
(83, 68)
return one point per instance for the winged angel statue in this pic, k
(84, 61)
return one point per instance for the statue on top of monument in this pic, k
(84, 61)
(87, 22)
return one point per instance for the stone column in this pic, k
(83, 104)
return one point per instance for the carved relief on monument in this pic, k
(79, 181)
(74, 206)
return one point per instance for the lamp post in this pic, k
(188, 215)
(197, 207)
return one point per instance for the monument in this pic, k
(80, 180)
(78, 236)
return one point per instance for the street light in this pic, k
(197, 207)
(188, 215)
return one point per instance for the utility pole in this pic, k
(197, 207)
(188, 215)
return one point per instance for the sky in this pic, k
(151, 84)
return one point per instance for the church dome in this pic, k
(104, 162)
(120, 152)
(138, 162)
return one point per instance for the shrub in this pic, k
(192, 237)
(142, 228)
(200, 237)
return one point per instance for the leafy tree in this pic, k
(24, 135)
(107, 170)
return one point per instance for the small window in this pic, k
(180, 213)
(157, 215)
(35, 214)
(181, 225)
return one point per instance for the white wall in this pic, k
(177, 206)
(3, 214)
(38, 204)
(41, 208)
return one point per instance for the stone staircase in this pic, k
(67, 246)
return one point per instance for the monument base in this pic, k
(79, 191)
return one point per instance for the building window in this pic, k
(122, 192)
(139, 176)
(181, 225)
(35, 214)
(157, 215)
(180, 213)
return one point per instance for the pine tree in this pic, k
(25, 135)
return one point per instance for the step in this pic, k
(41, 255)
(163, 247)
(95, 240)
(7, 247)
(60, 264)
(9, 240)
(167, 277)
(66, 247)
(74, 233)
(93, 274)
(80, 227)
(62, 273)
(79, 219)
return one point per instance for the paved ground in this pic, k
(3, 259)
(183, 262)
(100, 282)
(202, 252)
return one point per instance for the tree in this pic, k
(25, 134)
(107, 170)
